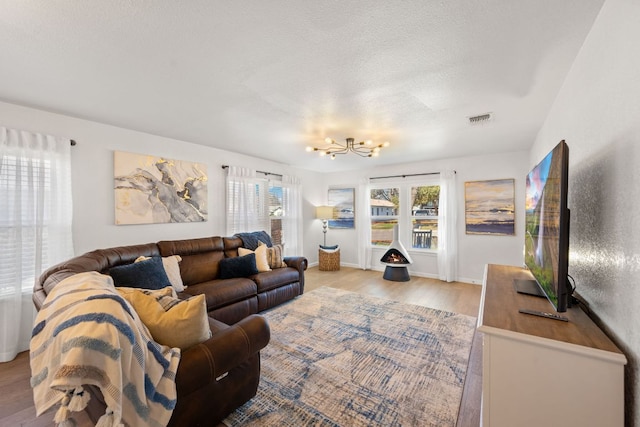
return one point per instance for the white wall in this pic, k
(474, 250)
(92, 174)
(597, 112)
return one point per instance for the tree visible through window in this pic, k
(424, 216)
(414, 208)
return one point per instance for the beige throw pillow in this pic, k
(274, 257)
(172, 268)
(183, 325)
(261, 256)
(166, 297)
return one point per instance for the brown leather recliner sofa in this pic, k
(220, 374)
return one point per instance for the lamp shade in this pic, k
(324, 212)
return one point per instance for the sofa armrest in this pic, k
(226, 349)
(299, 263)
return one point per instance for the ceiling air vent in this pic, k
(482, 118)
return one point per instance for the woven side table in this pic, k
(328, 260)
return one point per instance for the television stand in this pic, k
(528, 287)
(536, 372)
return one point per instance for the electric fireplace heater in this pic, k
(396, 259)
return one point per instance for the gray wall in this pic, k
(597, 112)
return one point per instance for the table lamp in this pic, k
(325, 213)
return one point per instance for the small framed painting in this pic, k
(342, 200)
(489, 207)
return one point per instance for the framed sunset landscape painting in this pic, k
(489, 207)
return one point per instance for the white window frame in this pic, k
(384, 217)
(409, 244)
(405, 215)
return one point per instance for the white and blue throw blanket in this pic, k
(87, 334)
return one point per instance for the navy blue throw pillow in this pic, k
(147, 274)
(240, 266)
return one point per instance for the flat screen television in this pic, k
(546, 246)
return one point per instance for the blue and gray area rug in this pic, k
(339, 358)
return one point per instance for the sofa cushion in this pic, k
(231, 245)
(183, 325)
(200, 257)
(219, 293)
(262, 263)
(240, 266)
(275, 278)
(148, 274)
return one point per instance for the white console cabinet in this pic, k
(543, 372)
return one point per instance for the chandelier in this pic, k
(362, 148)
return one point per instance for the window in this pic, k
(266, 210)
(35, 224)
(414, 208)
(247, 206)
(424, 216)
(276, 212)
(20, 180)
(385, 205)
(255, 203)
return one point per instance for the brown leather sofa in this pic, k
(220, 374)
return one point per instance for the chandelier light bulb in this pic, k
(386, 144)
(368, 142)
(309, 149)
(328, 140)
(323, 153)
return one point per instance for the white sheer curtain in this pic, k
(447, 228)
(292, 216)
(35, 225)
(363, 224)
(247, 201)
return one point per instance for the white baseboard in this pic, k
(413, 273)
(471, 281)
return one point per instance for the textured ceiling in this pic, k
(268, 78)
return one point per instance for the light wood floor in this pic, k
(16, 400)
